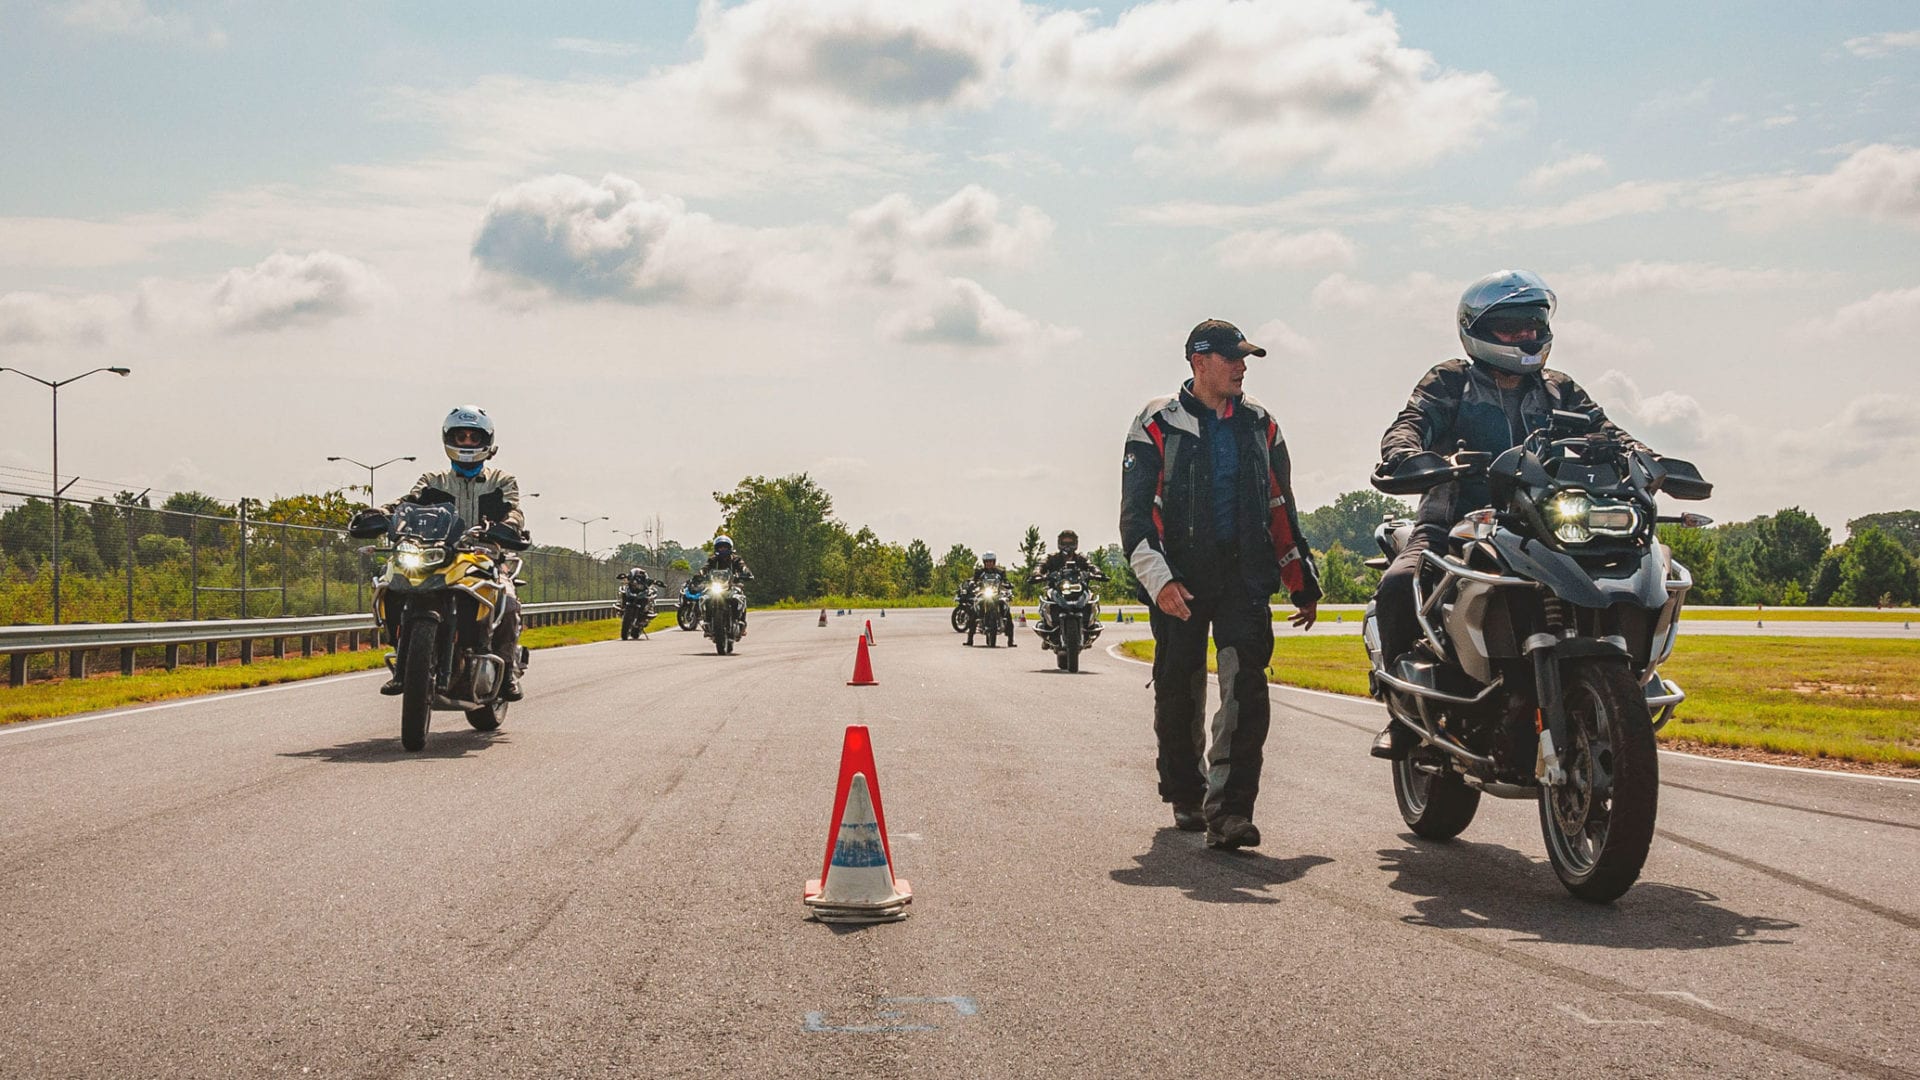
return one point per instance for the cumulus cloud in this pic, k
(894, 232)
(285, 290)
(1891, 310)
(1554, 173)
(1418, 291)
(1879, 182)
(1283, 342)
(1260, 85)
(1669, 421)
(1876, 45)
(1628, 199)
(32, 317)
(1315, 205)
(1639, 277)
(1867, 431)
(137, 18)
(961, 312)
(1274, 249)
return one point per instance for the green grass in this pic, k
(1803, 615)
(64, 697)
(1850, 699)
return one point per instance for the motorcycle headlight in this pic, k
(716, 590)
(990, 592)
(1072, 587)
(413, 558)
(1576, 518)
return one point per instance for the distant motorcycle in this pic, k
(441, 595)
(692, 595)
(990, 613)
(721, 610)
(1544, 620)
(1069, 615)
(636, 607)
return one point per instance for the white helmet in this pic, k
(470, 418)
(1515, 297)
(988, 557)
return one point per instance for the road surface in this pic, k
(262, 883)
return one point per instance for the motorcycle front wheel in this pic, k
(416, 680)
(688, 618)
(959, 620)
(1070, 644)
(1435, 805)
(1599, 824)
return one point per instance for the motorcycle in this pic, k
(1069, 616)
(990, 612)
(962, 608)
(719, 612)
(441, 597)
(636, 607)
(1543, 624)
(691, 594)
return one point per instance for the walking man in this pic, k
(1208, 520)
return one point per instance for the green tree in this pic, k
(919, 562)
(781, 528)
(327, 510)
(1349, 520)
(1877, 570)
(1033, 552)
(1826, 579)
(1787, 548)
(956, 566)
(1344, 576)
(1121, 587)
(1902, 525)
(1698, 551)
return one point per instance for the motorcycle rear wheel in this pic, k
(416, 680)
(1599, 824)
(688, 618)
(1435, 806)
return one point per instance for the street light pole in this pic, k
(371, 469)
(55, 386)
(584, 522)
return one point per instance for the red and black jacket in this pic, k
(1166, 503)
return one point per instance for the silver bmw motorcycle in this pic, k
(1543, 624)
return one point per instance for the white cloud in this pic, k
(136, 18)
(1880, 182)
(894, 233)
(1274, 249)
(1893, 311)
(1417, 292)
(1868, 431)
(285, 290)
(1313, 206)
(31, 317)
(1882, 44)
(1670, 422)
(1260, 85)
(1675, 277)
(596, 47)
(1556, 172)
(961, 312)
(1283, 342)
(1627, 199)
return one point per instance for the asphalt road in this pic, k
(263, 884)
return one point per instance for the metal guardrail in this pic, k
(20, 642)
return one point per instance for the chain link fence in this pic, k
(121, 563)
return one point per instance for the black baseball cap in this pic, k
(1220, 336)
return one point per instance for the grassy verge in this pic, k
(1891, 615)
(64, 697)
(1848, 699)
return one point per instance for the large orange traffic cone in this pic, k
(870, 640)
(823, 616)
(862, 667)
(856, 883)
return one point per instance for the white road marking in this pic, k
(1591, 1022)
(42, 725)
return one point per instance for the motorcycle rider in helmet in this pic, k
(1489, 401)
(989, 570)
(723, 558)
(482, 496)
(1066, 553)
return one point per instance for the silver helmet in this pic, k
(471, 418)
(1512, 297)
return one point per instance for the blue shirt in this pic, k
(1217, 433)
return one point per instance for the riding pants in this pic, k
(1217, 765)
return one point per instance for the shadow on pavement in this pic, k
(1182, 861)
(1489, 887)
(455, 743)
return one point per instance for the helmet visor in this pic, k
(468, 438)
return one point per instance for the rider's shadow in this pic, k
(1177, 860)
(453, 744)
(1467, 886)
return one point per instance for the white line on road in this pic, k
(42, 725)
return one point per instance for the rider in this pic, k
(481, 496)
(1066, 553)
(723, 558)
(1489, 402)
(989, 570)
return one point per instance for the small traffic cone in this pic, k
(823, 616)
(1023, 618)
(862, 667)
(870, 640)
(856, 883)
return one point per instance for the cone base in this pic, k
(890, 910)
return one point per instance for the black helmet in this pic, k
(1069, 541)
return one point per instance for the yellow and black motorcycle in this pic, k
(440, 598)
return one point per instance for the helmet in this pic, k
(1069, 541)
(636, 572)
(1512, 297)
(722, 541)
(987, 556)
(468, 418)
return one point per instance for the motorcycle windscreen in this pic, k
(430, 523)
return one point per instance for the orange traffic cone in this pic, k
(870, 640)
(1023, 618)
(823, 616)
(856, 883)
(862, 667)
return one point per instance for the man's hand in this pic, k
(1173, 600)
(1305, 614)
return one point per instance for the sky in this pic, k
(938, 254)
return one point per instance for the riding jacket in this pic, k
(733, 564)
(1059, 561)
(492, 495)
(1458, 401)
(1167, 502)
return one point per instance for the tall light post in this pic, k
(584, 522)
(630, 534)
(371, 469)
(57, 489)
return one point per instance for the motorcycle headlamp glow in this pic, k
(990, 592)
(1576, 518)
(412, 557)
(716, 589)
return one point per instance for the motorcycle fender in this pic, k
(1646, 587)
(1550, 568)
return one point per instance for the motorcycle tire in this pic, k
(688, 620)
(416, 681)
(1437, 806)
(487, 717)
(959, 620)
(993, 635)
(1070, 645)
(1060, 659)
(719, 640)
(1599, 824)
